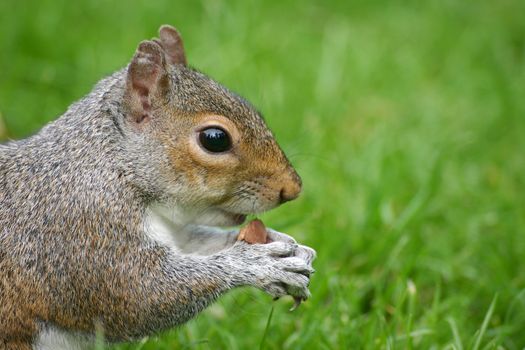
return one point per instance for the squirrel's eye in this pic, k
(215, 140)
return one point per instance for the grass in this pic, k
(405, 120)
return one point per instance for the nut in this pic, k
(254, 233)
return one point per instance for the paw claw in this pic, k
(296, 304)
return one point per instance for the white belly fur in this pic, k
(52, 338)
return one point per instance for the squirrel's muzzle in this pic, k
(291, 188)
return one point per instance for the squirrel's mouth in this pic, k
(240, 218)
(236, 219)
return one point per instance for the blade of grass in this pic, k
(455, 333)
(261, 345)
(485, 323)
(411, 288)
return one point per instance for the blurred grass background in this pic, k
(405, 119)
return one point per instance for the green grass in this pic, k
(406, 121)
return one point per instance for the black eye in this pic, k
(215, 140)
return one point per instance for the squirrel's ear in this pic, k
(146, 74)
(171, 42)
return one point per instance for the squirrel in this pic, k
(114, 217)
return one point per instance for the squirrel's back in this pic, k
(61, 191)
(55, 176)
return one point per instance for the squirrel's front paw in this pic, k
(304, 252)
(274, 268)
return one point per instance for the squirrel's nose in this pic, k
(290, 190)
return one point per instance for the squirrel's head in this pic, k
(197, 146)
